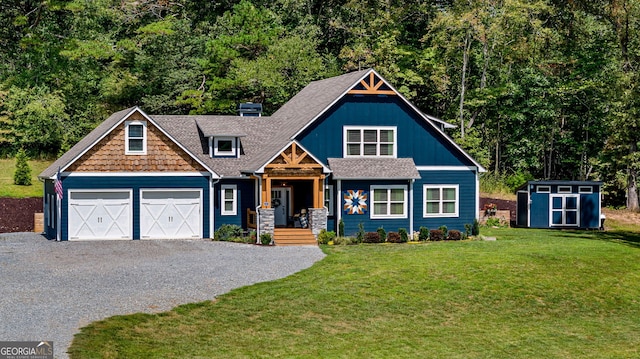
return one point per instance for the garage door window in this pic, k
(229, 203)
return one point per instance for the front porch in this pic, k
(292, 196)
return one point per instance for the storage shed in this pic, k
(559, 204)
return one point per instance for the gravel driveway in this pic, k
(51, 289)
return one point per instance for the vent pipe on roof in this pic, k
(250, 109)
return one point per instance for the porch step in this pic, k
(294, 237)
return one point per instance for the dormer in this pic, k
(223, 134)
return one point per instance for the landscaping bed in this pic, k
(16, 214)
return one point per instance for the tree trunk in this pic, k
(465, 60)
(632, 184)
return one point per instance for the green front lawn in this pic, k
(531, 294)
(8, 189)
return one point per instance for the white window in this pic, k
(564, 189)
(585, 189)
(229, 200)
(224, 146)
(328, 198)
(440, 201)
(389, 201)
(136, 138)
(544, 189)
(369, 141)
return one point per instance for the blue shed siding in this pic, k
(246, 199)
(136, 183)
(589, 205)
(416, 139)
(467, 207)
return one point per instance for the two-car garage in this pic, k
(110, 214)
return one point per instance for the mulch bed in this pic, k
(16, 214)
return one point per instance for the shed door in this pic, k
(565, 210)
(171, 214)
(100, 215)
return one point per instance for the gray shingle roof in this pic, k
(220, 126)
(261, 137)
(373, 167)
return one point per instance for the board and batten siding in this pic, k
(352, 221)
(245, 192)
(467, 206)
(415, 138)
(135, 183)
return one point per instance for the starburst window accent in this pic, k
(355, 202)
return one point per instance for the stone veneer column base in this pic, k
(317, 220)
(266, 218)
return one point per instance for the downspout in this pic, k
(411, 209)
(477, 209)
(259, 179)
(338, 196)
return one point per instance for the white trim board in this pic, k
(446, 168)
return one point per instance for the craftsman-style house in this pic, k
(348, 147)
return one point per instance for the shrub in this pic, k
(444, 230)
(454, 235)
(345, 241)
(382, 234)
(467, 230)
(22, 175)
(372, 237)
(436, 235)
(324, 237)
(227, 232)
(423, 235)
(360, 234)
(475, 229)
(265, 238)
(394, 237)
(493, 222)
(404, 236)
(341, 228)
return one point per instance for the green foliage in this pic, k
(475, 228)
(468, 230)
(227, 232)
(404, 236)
(324, 237)
(341, 228)
(22, 175)
(444, 230)
(360, 233)
(265, 239)
(382, 234)
(423, 234)
(345, 241)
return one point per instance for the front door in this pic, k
(280, 205)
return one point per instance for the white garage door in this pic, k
(171, 214)
(100, 215)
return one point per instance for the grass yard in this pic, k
(8, 189)
(531, 294)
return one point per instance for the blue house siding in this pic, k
(135, 184)
(539, 210)
(416, 139)
(467, 206)
(352, 221)
(246, 199)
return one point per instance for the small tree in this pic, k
(341, 228)
(22, 176)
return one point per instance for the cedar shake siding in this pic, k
(163, 155)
